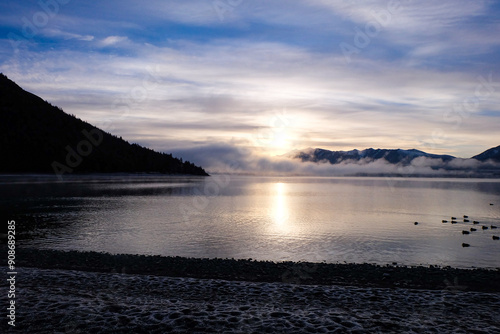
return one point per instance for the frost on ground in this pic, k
(65, 301)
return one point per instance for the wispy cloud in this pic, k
(66, 35)
(113, 40)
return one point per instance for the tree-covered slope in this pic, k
(36, 137)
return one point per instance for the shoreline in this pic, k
(68, 301)
(75, 175)
(303, 273)
(89, 292)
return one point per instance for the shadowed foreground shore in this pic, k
(88, 292)
(367, 275)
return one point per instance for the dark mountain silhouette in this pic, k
(490, 154)
(36, 137)
(485, 164)
(395, 156)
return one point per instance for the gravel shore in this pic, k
(66, 301)
(369, 275)
(76, 292)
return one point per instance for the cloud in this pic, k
(112, 40)
(66, 35)
(246, 82)
(216, 81)
(238, 159)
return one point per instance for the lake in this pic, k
(332, 219)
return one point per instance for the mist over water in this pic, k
(332, 219)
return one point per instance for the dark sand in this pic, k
(369, 275)
(102, 293)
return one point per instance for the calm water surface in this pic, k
(266, 218)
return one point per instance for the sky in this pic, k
(219, 81)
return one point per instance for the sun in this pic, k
(280, 141)
(278, 133)
(276, 142)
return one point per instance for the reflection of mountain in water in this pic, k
(93, 186)
(324, 218)
(41, 202)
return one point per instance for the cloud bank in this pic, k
(233, 159)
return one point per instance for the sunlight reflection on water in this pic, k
(313, 219)
(280, 210)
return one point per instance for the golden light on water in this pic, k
(280, 210)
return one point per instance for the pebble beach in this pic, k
(64, 300)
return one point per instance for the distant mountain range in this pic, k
(36, 137)
(398, 156)
(486, 162)
(491, 154)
